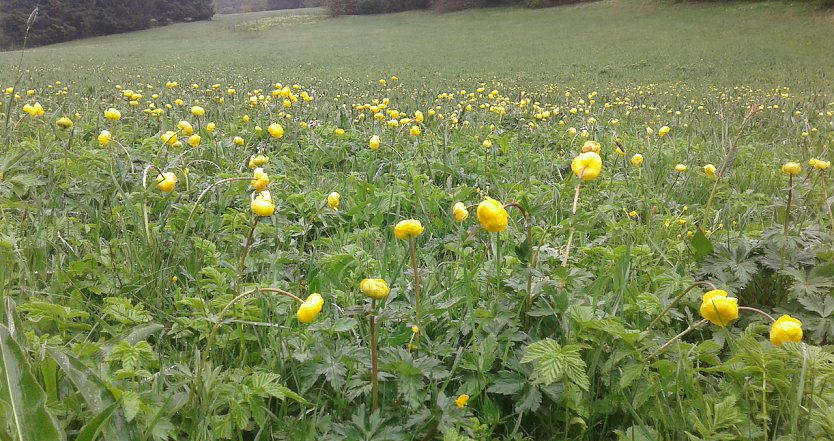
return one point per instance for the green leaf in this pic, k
(93, 427)
(701, 245)
(25, 400)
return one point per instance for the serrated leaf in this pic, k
(701, 245)
(530, 401)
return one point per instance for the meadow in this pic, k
(610, 221)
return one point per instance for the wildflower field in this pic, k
(610, 221)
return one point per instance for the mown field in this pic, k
(209, 230)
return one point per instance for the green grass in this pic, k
(623, 42)
(135, 310)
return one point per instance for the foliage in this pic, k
(132, 313)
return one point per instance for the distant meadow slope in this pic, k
(762, 43)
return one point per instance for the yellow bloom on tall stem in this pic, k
(374, 142)
(260, 180)
(112, 114)
(462, 400)
(376, 289)
(663, 131)
(408, 228)
(587, 166)
(637, 160)
(104, 138)
(709, 169)
(492, 215)
(591, 146)
(169, 137)
(719, 309)
(791, 168)
(262, 204)
(786, 328)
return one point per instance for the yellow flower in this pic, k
(186, 128)
(275, 130)
(571, 131)
(339, 132)
(637, 160)
(374, 142)
(166, 181)
(819, 164)
(238, 140)
(632, 213)
(719, 309)
(64, 123)
(414, 130)
(492, 215)
(418, 116)
(786, 328)
(245, 118)
(460, 212)
(333, 200)
(198, 111)
(112, 114)
(408, 228)
(262, 204)
(487, 144)
(591, 146)
(260, 160)
(663, 131)
(709, 169)
(104, 138)
(311, 307)
(169, 137)
(210, 127)
(194, 140)
(680, 168)
(230, 92)
(260, 180)
(374, 288)
(587, 166)
(462, 400)
(619, 151)
(791, 168)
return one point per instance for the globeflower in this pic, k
(492, 215)
(709, 169)
(663, 131)
(311, 307)
(376, 289)
(104, 138)
(786, 328)
(791, 168)
(276, 130)
(374, 142)
(260, 180)
(591, 146)
(64, 123)
(166, 181)
(460, 212)
(819, 164)
(637, 160)
(462, 400)
(237, 140)
(719, 309)
(210, 127)
(333, 200)
(587, 166)
(194, 140)
(198, 111)
(262, 204)
(680, 168)
(186, 128)
(414, 130)
(169, 137)
(408, 228)
(112, 114)
(487, 144)
(339, 132)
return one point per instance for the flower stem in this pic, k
(758, 311)
(676, 338)
(416, 284)
(677, 298)
(374, 363)
(573, 214)
(247, 246)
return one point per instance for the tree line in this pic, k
(64, 20)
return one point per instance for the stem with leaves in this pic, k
(416, 284)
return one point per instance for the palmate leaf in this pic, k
(557, 363)
(24, 400)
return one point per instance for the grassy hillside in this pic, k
(768, 43)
